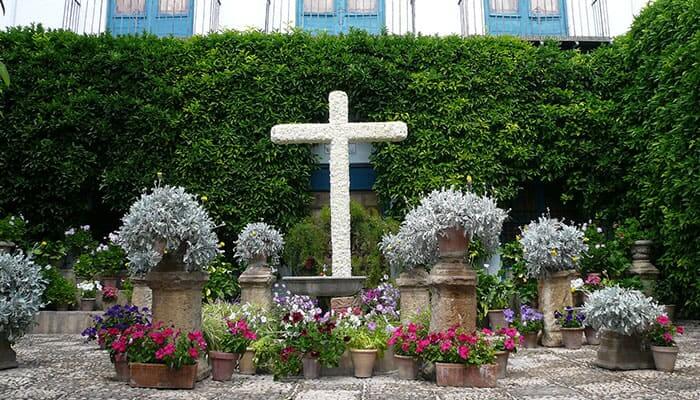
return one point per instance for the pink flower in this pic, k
(249, 335)
(119, 345)
(593, 280)
(412, 328)
(487, 331)
(509, 344)
(668, 337)
(392, 341)
(445, 345)
(422, 344)
(663, 319)
(137, 335)
(157, 337)
(463, 337)
(168, 350)
(463, 352)
(405, 346)
(471, 339)
(193, 352)
(680, 330)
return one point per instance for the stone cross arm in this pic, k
(358, 132)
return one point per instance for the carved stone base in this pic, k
(620, 352)
(256, 286)
(554, 294)
(453, 296)
(415, 293)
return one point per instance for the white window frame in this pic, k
(138, 9)
(167, 7)
(549, 7)
(318, 6)
(496, 7)
(360, 6)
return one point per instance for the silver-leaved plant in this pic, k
(167, 220)
(550, 245)
(621, 310)
(259, 239)
(416, 241)
(21, 287)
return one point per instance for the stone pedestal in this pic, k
(642, 266)
(554, 294)
(8, 357)
(452, 285)
(256, 285)
(621, 352)
(6, 247)
(415, 293)
(141, 296)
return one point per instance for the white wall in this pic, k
(25, 12)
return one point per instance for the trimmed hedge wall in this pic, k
(89, 121)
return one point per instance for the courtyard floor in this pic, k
(63, 367)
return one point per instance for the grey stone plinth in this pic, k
(621, 352)
(6, 247)
(8, 357)
(141, 296)
(554, 294)
(63, 322)
(177, 298)
(256, 285)
(453, 295)
(642, 266)
(325, 286)
(415, 293)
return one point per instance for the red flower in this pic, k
(168, 350)
(445, 345)
(412, 328)
(157, 337)
(487, 331)
(663, 319)
(119, 345)
(463, 352)
(249, 335)
(297, 317)
(680, 330)
(509, 344)
(472, 339)
(193, 352)
(405, 346)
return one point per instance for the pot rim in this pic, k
(664, 349)
(222, 355)
(502, 352)
(573, 329)
(88, 298)
(496, 310)
(450, 365)
(399, 356)
(363, 350)
(153, 365)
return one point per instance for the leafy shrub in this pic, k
(223, 281)
(49, 253)
(259, 239)
(21, 288)
(13, 229)
(514, 264)
(59, 290)
(550, 246)
(493, 292)
(620, 310)
(306, 248)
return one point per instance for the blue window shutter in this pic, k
(362, 178)
(526, 23)
(341, 20)
(151, 20)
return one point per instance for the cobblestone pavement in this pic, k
(62, 367)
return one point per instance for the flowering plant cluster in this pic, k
(592, 283)
(530, 320)
(110, 293)
(570, 318)
(105, 260)
(382, 300)
(116, 319)
(79, 240)
(550, 245)
(89, 289)
(239, 337)
(663, 332)
(458, 347)
(158, 344)
(167, 220)
(410, 340)
(259, 239)
(364, 332)
(505, 339)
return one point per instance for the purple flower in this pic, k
(509, 315)
(372, 326)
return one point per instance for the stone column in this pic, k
(452, 285)
(554, 293)
(642, 266)
(141, 296)
(415, 293)
(256, 284)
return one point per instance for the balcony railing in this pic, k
(536, 20)
(340, 16)
(169, 17)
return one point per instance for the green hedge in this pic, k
(89, 121)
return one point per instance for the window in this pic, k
(544, 7)
(504, 6)
(319, 6)
(131, 6)
(172, 6)
(362, 6)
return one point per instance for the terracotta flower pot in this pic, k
(87, 304)
(121, 367)
(452, 241)
(159, 376)
(497, 319)
(448, 374)
(311, 367)
(363, 362)
(407, 366)
(482, 376)
(530, 340)
(246, 364)
(665, 357)
(591, 336)
(222, 365)
(109, 281)
(572, 337)
(502, 362)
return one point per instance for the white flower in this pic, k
(599, 230)
(85, 227)
(597, 246)
(70, 232)
(577, 284)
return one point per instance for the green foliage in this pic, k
(223, 283)
(214, 326)
(59, 290)
(306, 248)
(49, 253)
(493, 292)
(13, 229)
(525, 287)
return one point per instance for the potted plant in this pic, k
(20, 299)
(88, 294)
(113, 322)
(622, 316)
(258, 247)
(529, 324)
(60, 292)
(494, 296)
(163, 358)
(592, 283)
(552, 251)
(78, 241)
(110, 294)
(571, 323)
(504, 342)
(462, 359)
(315, 336)
(409, 343)
(365, 338)
(222, 357)
(663, 346)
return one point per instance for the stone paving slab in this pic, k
(63, 367)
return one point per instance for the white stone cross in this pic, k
(339, 133)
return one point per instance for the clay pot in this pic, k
(497, 320)
(502, 362)
(160, 376)
(665, 357)
(312, 367)
(109, 281)
(591, 336)
(121, 367)
(407, 366)
(482, 376)
(448, 374)
(572, 338)
(530, 340)
(6, 247)
(363, 362)
(623, 352)
(452, 241)
(222, 365)
(87, 304)
(246, 364)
